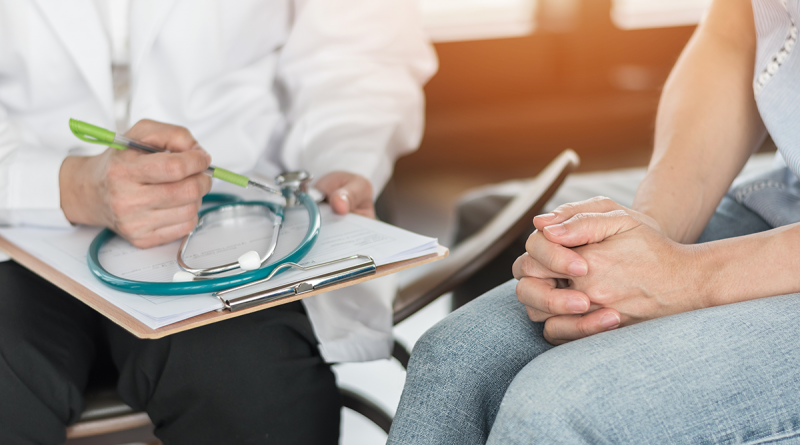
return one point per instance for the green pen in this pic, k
(96, 135)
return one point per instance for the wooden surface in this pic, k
(141, 330)
(502, 108)
(106, 426)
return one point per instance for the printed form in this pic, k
(220, 242)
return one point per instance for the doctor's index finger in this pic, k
(358, 191)
(160, 168)
(348, 192)
(598, 204)
(166, 136)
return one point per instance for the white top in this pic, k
(264, 85)
(775, 79)
(114, 16)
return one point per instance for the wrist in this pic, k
(675, 215)
(749, 267)
(703, 270)
(74, 190)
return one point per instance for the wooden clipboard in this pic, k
(141, 330)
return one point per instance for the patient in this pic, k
(662, 340)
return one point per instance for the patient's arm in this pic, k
(707, 124)
(637, 264)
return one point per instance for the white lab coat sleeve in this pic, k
(352, 72)
(29, 178)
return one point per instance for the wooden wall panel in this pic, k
(509, 105)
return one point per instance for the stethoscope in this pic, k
(252, 265)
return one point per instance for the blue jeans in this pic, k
(728, 374)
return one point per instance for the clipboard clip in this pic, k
(299, 287)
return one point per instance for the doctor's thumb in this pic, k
(340, 201)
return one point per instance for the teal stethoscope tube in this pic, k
(213, 284)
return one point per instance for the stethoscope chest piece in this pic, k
(292, 183)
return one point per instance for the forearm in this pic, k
(707, 124)
(745, 268)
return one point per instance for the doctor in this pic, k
(329, 86)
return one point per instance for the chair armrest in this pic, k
(482, 247)
(106, 413)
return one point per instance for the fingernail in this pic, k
(609, 321)
(577, 305)
(577, 268)
(547, 216)
(556, 230)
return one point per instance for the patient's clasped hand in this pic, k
(620, 270)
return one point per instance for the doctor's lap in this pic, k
(244, 380)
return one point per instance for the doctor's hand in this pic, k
(148, 199)
(348, 192)
(595, 266)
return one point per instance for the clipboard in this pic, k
(141, 330)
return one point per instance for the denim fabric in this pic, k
(775, 196)
(731, 220)
(460, 369)
(729, 374)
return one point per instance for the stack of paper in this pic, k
(340, 236)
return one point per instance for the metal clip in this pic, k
(301, 286)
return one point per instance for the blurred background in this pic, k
(520, 81)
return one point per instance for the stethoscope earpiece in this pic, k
(250, 261)
(182, 277)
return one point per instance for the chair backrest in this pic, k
(479, 249)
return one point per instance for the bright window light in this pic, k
(449, 20)
(635, 14)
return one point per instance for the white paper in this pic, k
(340, 236)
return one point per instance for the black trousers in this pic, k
(258, 378)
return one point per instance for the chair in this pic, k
(106, 414)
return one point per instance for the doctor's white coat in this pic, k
(264, 85)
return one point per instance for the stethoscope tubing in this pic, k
(229, 202)
(211, 284)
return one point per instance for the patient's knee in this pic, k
(490, 333)
(566, 396)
